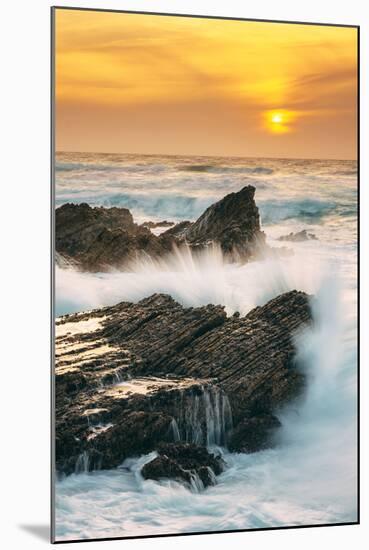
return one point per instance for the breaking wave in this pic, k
(305, 210)
(191, 280)
(151, 206)
(89, 167)
(187, 207)
(308, 479)
(346, 172)
(179, 188)
(77, 166)
(225, 169)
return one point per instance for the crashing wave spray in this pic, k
(191, 279)
(319, 437)
(309, 478)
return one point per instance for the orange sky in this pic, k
(160, 84)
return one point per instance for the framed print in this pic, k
(205, 282)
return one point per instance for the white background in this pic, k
(24, 219)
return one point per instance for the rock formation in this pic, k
(299, 237)
(184, 462)
(233, 223)
(98, 239)
(132, 377)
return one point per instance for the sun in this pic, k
(279, 121)
(277, 118)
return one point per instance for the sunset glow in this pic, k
(277, 118)
(159, 84)
(280, 122)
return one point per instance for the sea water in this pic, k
(310, 477)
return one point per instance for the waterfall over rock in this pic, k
(204, 418)
(82, 463)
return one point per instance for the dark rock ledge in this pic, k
(132, 377)
(184, 462)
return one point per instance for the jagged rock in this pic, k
(98, 239)
(299, 237)
(132, 376)
(233, 223)
(184, 462)
(179, 230)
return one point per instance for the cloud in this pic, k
(188, 81)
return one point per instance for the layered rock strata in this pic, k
(132, 377)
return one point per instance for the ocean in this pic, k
(310, 477)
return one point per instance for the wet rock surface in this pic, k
(98, 239)
(186, 462)
(134, 376)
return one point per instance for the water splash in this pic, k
(191, 279)
(310, 478)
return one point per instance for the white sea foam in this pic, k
(199, 280)
(310, 477)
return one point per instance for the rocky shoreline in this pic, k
(155, 376)
(101, 239)
(132, 377)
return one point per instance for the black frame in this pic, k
(53, 10)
